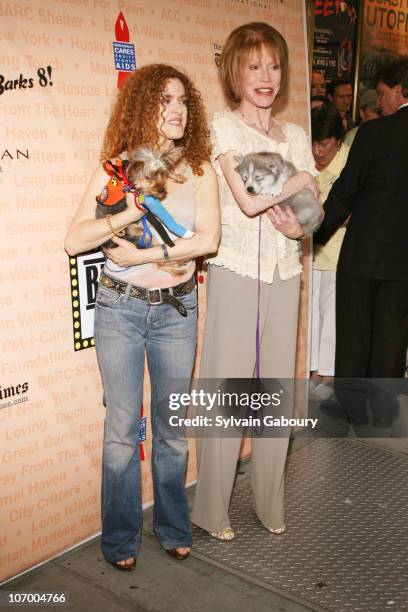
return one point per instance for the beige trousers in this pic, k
(229, 351)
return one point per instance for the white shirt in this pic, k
(238, 250)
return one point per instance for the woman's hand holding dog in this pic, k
(285, 221)
(125, 254)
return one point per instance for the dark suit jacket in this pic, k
(373, 187)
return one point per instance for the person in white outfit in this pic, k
(254, 72)
(330, 154)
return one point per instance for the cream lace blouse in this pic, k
(238, 250)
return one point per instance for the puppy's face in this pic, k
(148, 171)
(258, 169)
(155, 186)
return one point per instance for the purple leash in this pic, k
(258, 430)
(258, 344)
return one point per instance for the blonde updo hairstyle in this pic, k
(243, 42)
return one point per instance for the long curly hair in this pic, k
(135, 114)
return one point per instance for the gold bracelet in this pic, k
(109, 222)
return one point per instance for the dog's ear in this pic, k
(238, 158)
(134, 170)
(151, 161)
(173, 156)
(274, 162)
(141, 154)
(168, 162)
(273, 166)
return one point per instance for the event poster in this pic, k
(335, 28)
(385, 36)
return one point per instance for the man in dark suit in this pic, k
(372, 271)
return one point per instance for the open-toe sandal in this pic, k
(128, 567)
(173, 552)
(226, 535)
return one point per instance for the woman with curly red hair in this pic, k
(142, 307)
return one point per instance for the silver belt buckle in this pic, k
(149, 297)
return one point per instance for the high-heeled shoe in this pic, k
(122, 567)
(173, 552)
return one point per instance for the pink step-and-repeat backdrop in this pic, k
(58, 74)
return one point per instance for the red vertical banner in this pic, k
(122, 35)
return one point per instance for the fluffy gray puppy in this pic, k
(266, 173)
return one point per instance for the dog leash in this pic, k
(258, 428)
(258, 340)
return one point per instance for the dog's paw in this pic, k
(274, 193)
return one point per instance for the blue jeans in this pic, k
(124, 328)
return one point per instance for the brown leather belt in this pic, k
(153, 296)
